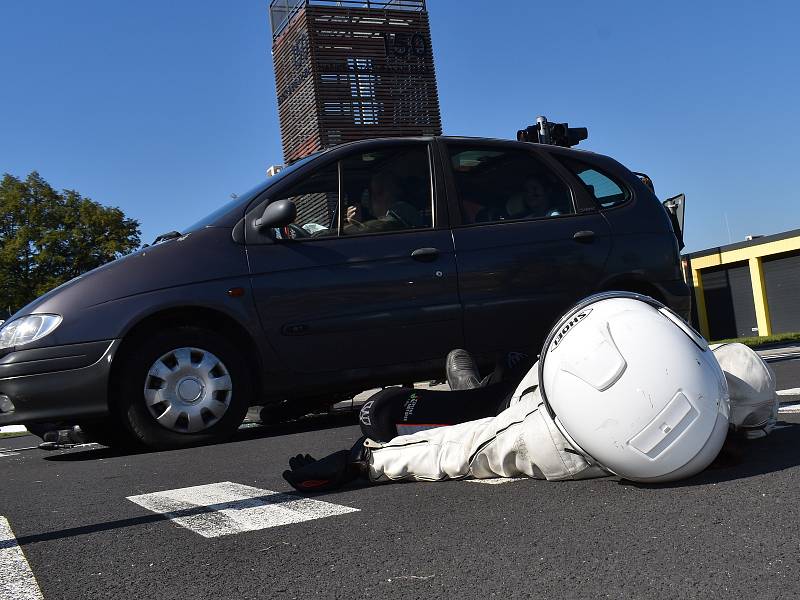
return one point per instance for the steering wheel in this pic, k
(392, 214)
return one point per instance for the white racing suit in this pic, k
(751, 385)
(523, 440)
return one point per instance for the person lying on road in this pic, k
(623, 386)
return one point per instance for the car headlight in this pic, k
(27, 329)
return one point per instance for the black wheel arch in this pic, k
(192, 316)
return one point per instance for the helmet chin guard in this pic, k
(634, 388)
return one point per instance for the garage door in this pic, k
(782, 276)
(729, 301)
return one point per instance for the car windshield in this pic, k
(241, 202)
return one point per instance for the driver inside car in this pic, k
(387, 212)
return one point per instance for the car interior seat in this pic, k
(415, 196)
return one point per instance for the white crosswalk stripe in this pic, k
(496, 480)
(16, 578)
(226, 508)
(13, 429)
(789, 392)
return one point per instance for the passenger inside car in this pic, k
(534, 201)
(499, 186)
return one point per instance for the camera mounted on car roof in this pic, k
(555, 134)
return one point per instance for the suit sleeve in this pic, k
(520, 441)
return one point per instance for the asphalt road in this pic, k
(730, 532)
(787, 373)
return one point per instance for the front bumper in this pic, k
(59, 383)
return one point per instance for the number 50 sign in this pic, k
(406, 45)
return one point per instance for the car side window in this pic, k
(387, 190)
(316, 199)
(382, 191)
(501, 184)
(607, 191)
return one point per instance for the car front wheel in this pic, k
(182, 387)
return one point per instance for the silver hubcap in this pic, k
(188, 390)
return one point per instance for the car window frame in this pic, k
(337, 155)
(453, 199)
(616, 178)
(432, 190)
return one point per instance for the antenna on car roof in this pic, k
(555, 134)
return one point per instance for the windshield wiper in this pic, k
(170, 235)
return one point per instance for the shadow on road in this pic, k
(778, 451)
(244, 434)
(277, 498)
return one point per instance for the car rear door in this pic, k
(523, 259)
(372, 294)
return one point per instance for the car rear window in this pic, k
(608, 191)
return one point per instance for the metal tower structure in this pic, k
(348, 70)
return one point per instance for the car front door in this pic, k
(528, 245)
(365, 279)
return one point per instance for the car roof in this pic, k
(454, 138)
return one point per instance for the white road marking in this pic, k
(773, 357)
(13, 429)
(496, 480)
(4, 452)
(789, 392)
(227, 508)
(787, 407)
(16, 578)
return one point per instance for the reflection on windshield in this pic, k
(242, 201)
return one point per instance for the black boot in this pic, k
(462, 374)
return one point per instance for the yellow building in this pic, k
(751, 288)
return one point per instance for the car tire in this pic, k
(181, 387)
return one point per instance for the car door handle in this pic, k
(584, 236)
(295, 329)
(425, 254)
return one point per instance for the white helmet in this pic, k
(634, 388)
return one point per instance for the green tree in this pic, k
(48, 237)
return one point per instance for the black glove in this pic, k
(306, 474)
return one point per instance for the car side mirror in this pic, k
(277, 214)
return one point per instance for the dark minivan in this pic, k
(357, 267)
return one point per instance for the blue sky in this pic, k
(166, 108)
